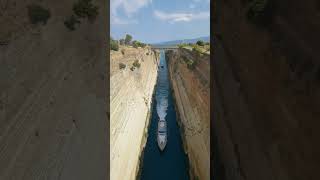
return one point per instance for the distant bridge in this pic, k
(164, 47)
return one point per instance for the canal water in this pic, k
(172, 163)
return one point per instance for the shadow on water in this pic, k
(172, 163)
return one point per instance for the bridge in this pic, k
(164, 47)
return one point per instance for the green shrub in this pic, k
(71, 22)
(182, 45)
(200, 43)
(122, 51)
(196, 49)
(85, 9)
(137, 44)
(132, 68)
(38, 14)
(136, 64)
(190, 63)
(259, 12)
(122, 66)
(114, 45)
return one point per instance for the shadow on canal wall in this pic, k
(145, 136)
(267, 90)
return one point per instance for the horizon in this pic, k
(161, 41)
(155, 21)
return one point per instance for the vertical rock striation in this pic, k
(131, 92)
(191, 89)
(266, 91)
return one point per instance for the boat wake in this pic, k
(163, 89)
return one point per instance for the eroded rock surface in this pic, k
(131, 91)
(191, 88)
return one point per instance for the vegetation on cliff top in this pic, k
(199, 48)
(137, 44)
(136, 64)
(122, 66)
(85, 9)
(71, 22)
(127, 39)
(38, 14)
(81, 9)
(114, 44)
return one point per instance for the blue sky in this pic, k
(154, 21)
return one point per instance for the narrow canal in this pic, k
(172, 163)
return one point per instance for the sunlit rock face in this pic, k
(191, 88)
(131, 90)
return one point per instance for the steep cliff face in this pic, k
(191, 87)
(131, 91)
(53, 121)
(266, 91)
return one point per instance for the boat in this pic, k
(162, 134)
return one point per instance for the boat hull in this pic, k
(162, 134)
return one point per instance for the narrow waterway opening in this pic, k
(172, 163)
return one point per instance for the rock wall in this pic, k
(131, 92)
(266, 91)
(53, 94)
(192, 98)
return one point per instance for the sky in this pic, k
(153, 21)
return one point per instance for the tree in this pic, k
(121, 41)
(128, 39)
(200, 43)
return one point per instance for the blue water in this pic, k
(172, 164)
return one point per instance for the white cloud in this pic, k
(122, 21)
(129, 7)
(180, 17)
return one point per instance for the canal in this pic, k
(172, 163)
